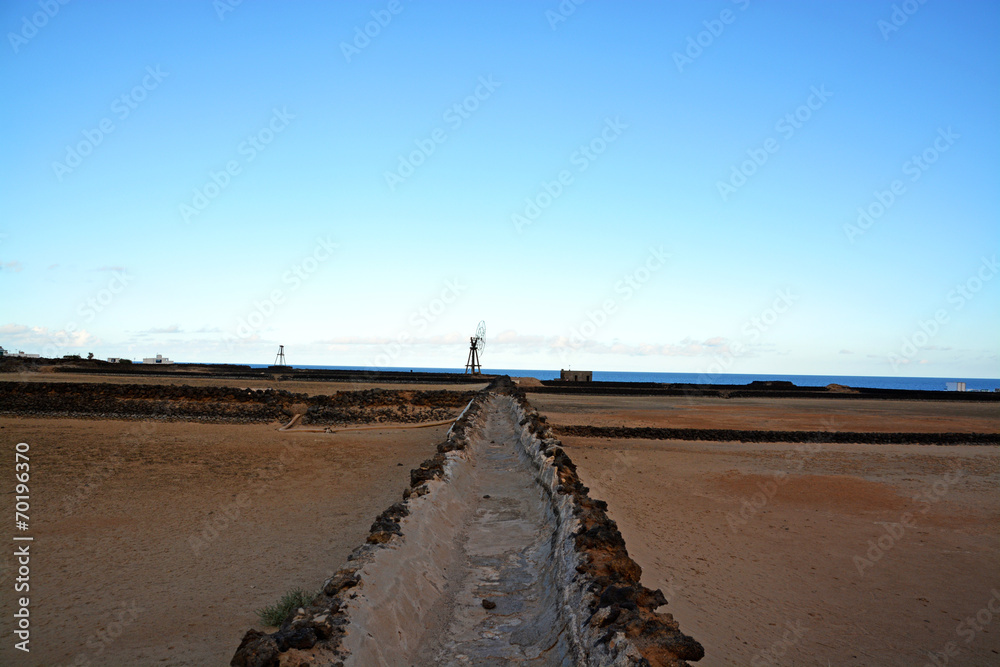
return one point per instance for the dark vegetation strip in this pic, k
(150, 401)
(732, 435)
(757, 389)
(234, 371)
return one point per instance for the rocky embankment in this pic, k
(224, 404)
(733, 435)
(776, 389)
(419, 565)
(384, 405)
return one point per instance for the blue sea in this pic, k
(874, 382)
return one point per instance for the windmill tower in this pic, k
(477, 344)
(279, 360)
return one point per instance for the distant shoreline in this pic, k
(729, 386)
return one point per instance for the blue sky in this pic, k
(651, 186)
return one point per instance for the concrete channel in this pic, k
(496, 556)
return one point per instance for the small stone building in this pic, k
(576, 376)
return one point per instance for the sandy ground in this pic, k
(758, 548)
(154, 542)
(311, 388)
(791, 414)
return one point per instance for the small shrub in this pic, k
(275, 614)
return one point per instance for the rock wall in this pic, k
(225, 404)
(615, 614)
(734, 435)
(374, 609)
(318, 634)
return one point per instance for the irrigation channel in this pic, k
(496, 556)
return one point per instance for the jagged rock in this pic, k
(256, 650)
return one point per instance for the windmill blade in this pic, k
(481, 345)
(481, 329)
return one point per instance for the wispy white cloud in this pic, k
(42, 338)
(14, 266)
(172, 329)
(510, 341)
(447, 339)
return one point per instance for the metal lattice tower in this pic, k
(477, 344)
(280, 359)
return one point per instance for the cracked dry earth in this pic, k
(503, 556)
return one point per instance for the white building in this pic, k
(955, 386)
(158, 359)
(21, 354)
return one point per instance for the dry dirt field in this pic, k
(155, 541)
(784, 554)
(124, 570)
(783, 414)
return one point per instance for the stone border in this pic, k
(615, 614)
(614, 619)
(320, 628)
(732, 435)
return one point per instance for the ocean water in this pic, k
(874, 382)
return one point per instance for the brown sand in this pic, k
(119, 558)
(783, 414)
(115, 506)
(741, 584)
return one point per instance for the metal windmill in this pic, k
(476, 346)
